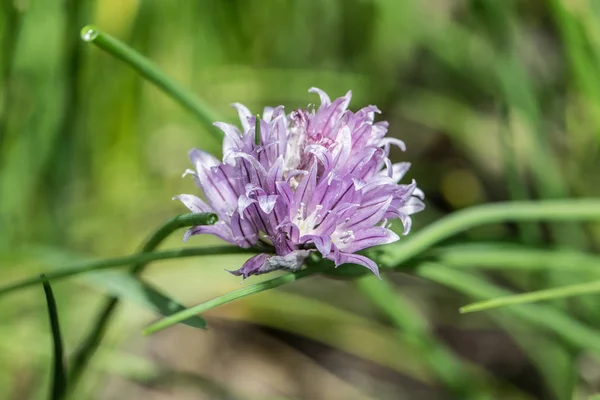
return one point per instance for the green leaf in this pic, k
(548, 210)
(229, 297)
(539, 295)
(59, 374)
(127, 287)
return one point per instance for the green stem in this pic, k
(124, 261)
(231, 296)
(538, 295)
(151, 72)
(180, 221)
(59, 375)
(571, 330)
(92, 341)
(548, 210)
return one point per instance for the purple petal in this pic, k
(325, 194)
(343, 147)
(399, 170)
(285, 191)
(329, 116)
(244, 233)
(232, 142)
(419, 193)
(362, 137)
(252, 266)
(368, 113)
(360, 260)
(202, 158)
(322, 243)
(321, 153)
(267, 203)
(193, 203)
(406, 223)
(305, 189)
(220, 229)
(218, 187)
(325, 101)
(230, 131)
(369, 215)
(244, 115)
(275, 174)
(413, 206)
(365, 238)
(243, 203)
(393, 141)
(379, 130)
(267, 113)
(252, 189)
(282, 244)
(252, 171)
(279, 134)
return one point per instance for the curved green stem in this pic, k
(92, 341)
(149, 71)
(231, 296)
(124, 261)
(180, 221)
(550, 210)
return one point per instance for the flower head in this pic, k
(314, 180)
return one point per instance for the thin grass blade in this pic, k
(59, 373)
(229, 297)
(538, 295)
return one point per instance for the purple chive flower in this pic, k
(314, 181)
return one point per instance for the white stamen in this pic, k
(342, 239)
(307, 224)
(347, 237)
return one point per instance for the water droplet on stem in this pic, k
(89, 33)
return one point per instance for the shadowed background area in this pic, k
(495, 100)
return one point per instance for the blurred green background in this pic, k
(496, 100)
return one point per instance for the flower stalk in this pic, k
(150, 72)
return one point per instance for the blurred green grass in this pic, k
(496, 100)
